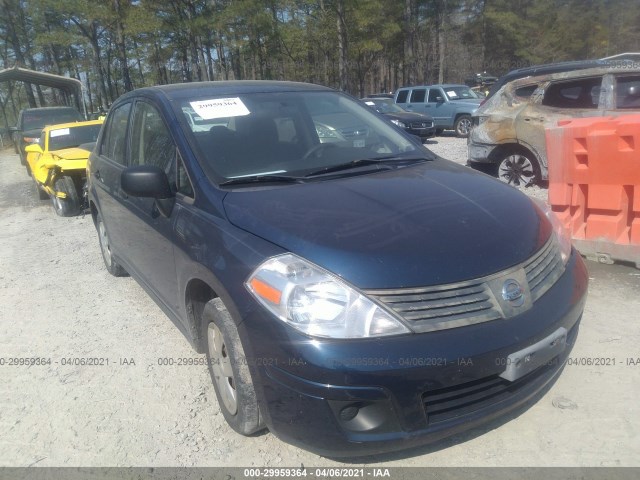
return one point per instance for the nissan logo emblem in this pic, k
(513, 293)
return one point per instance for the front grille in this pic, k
(421, 125)
(480, 300)
(447, 306)
(543, 270)
(451, 402)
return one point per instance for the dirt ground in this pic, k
(58, 304)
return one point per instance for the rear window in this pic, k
(402, 96)
(583, 93)
(418, 95)
(36, 119)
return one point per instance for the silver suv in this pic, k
(508, 134)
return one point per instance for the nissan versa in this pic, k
(353, 292)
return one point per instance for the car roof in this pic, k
(586, 72)
(58, 126)
(441, 85)
(238, 87)
(547, 69)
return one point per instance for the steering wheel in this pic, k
(317, 150)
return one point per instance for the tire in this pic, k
(439, 131)
(229, 370)
(69, 206)
(519, 169)
(113, 267)
(28, 169)
(462, 126)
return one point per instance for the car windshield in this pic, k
(459, 93)
(290, 134)
(35, 120)
(384, 105)
(72, 136)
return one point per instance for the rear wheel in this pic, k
(519, 169)
(113, 267)
(229, 370)
(70, 205)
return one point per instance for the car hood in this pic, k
(409, 116)
(468, 102)
(433, 223)
(74, 153)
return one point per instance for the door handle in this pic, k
(97, 176)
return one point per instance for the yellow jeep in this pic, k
(58, 164)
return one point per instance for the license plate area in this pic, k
(528, 359)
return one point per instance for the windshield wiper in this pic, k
(387, 162)
(262, 178)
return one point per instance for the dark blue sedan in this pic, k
(353, 292)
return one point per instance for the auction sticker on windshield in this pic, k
(59, 133)
(220, 108)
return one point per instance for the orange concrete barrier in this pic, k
(594, 184)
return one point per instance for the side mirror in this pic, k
(13, 129)
(151, 182)
(33, 148)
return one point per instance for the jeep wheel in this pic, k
(518, 169)
(229, 370)
(463, 126)
(70, 205)
(113, 267)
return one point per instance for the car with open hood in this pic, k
(327, 264)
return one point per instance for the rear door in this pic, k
(106, 166)
(416, 101)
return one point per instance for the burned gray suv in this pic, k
(508, 134)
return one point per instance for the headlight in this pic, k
(561, 233)
(317, 303)
(398, 123)
(325, 132)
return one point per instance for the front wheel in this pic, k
(229, 370)
(519, 169)
(70, 205)
(463, 126)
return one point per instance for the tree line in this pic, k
(359, 46)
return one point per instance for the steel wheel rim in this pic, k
(104, 243)
(516, 170)
(221, 367)
(464, 126)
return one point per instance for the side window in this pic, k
(582, 93)
(114, 140)
(151, 142)
(402, 96)
(418, 95)
(434, 93)
(43, 138)
(628, 92)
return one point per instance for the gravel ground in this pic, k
(58, 303)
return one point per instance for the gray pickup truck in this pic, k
(451, 106)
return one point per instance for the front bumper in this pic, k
(479, 153)
(369, 396)
(422, 132)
